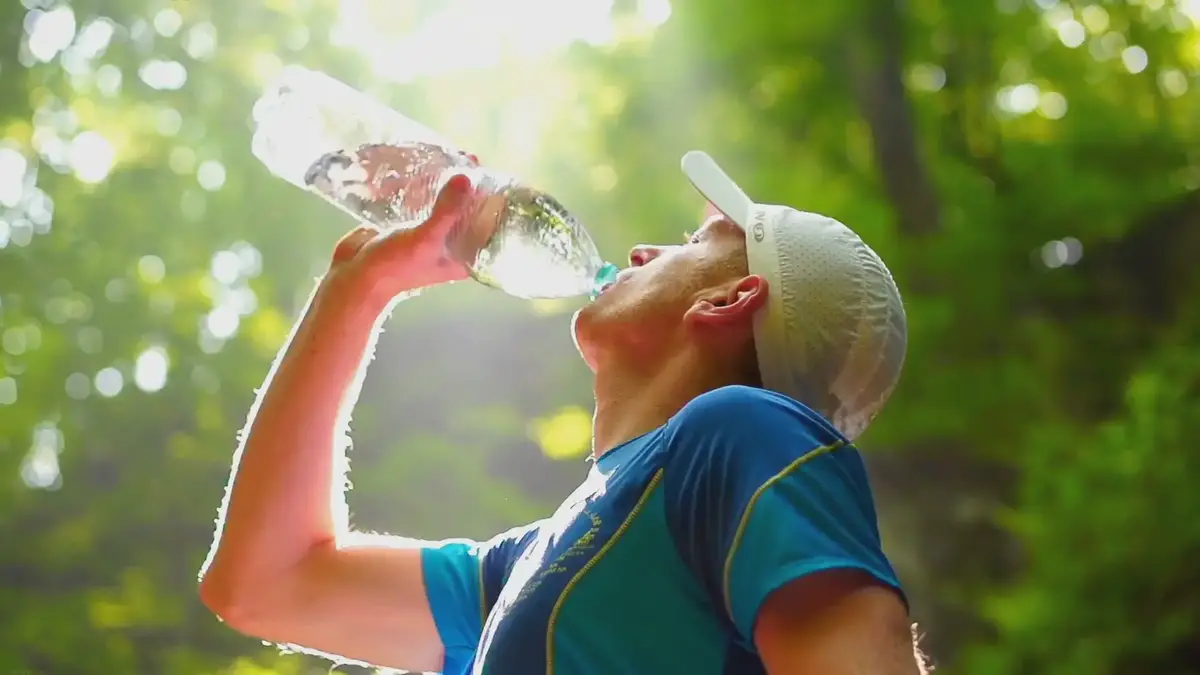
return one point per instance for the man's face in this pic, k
(649, 310)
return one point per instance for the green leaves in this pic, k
(149, 269)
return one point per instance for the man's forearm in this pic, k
(285, 491)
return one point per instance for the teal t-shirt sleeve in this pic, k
(760, 491)
(463, 579)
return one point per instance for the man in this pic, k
(724, 527)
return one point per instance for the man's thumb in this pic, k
(449, 200)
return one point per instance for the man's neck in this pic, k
(631, 401)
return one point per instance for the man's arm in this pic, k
(836, 623)
(284, 566)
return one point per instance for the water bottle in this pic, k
(386, 171)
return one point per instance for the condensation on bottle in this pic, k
(387, 170)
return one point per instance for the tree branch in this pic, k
(876, 61)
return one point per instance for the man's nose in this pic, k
(642, 254)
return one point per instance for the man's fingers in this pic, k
(471, 235)
(450, 200)
(446, 213)
(352, 242)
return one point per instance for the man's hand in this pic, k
(835, 623)
(381, 265)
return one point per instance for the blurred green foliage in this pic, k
(1029, 170)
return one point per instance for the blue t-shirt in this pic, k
(660, 560)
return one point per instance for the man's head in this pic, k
(693, 298)
(759, 294)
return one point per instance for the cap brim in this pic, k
(717, 187)
(758, 223)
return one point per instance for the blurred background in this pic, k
(1030, 169)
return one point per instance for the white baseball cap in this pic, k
(833, 332)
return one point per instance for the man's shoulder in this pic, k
(510, 543)
(739, 414)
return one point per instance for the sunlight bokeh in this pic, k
(1028, 169)
(494, 78)
(407, 41)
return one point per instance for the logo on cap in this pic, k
(759, 230)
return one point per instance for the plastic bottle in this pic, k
(386, 170)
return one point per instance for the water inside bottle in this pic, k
(515, 238)
(388, 186)
(538, 249)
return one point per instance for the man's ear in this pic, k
(732, 303)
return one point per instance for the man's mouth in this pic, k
(620, 276)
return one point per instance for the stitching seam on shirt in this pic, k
(592, 563)
(741, 529)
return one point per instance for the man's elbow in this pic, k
(250, 593)
(220, 599)
(238, 603)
